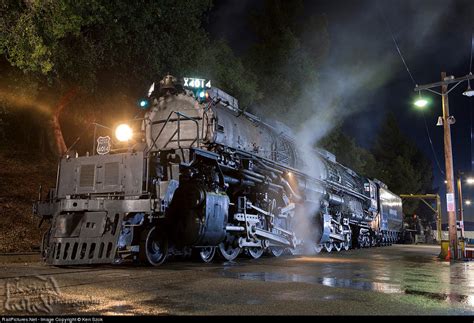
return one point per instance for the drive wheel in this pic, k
(328, 246)
(227, 250)
(360, 241)
(255, 252)
(207, 254)
(347, 243)
(153, 247)
(318, 248)
(276, 251)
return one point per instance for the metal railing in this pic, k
(177, 133)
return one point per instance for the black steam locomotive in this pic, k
(201, 175)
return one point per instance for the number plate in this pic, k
(195, 83)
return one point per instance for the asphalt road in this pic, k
(396, 280)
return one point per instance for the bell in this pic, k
(440, 121)
(167, 84)
(451, 120)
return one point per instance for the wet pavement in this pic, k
(396, 280)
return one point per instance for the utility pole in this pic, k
(460, 201)
(448, 153)
(448, 157)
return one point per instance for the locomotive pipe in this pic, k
(253, 174)
(268, 172)
(349, 191)
(228, 168)
(276, 187)
(271, 168)
(257, 180)
(234, 228)
(290, 190)
(236, 181)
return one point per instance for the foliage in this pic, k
(349, 153)
(74, 41)
(394, 159)
(401, 165)
(218, 63)
(286, 56)
(112, 51)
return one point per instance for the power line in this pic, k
(396, 44)
(470, 110)
(384, 18)
(472, 48)
(472, 149)
(432, 147)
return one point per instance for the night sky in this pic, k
(433, 36)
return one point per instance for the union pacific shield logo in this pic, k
(103, 145)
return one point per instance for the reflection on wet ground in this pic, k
(398, 280)
(326, 281)
(420, 275)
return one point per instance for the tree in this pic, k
(218, 62)
(400, 164)
(393, 159)
(348, 153)
(83, 53)
(285, 58)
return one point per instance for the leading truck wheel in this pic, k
(207, 254)
(153, 247)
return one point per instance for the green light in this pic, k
(143, 103)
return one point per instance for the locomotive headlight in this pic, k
(123, 132)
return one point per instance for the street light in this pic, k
(469, 92)
(420, 102)
(470, 180)
(447, 120)
(468, 202)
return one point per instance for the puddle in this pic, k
(348, 283)
(326, 281)
(449, 297)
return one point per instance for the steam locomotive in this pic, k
(201, 176)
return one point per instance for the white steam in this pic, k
(347, 81)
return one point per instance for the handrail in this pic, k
(177, 131)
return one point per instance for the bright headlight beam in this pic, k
(123, 132)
